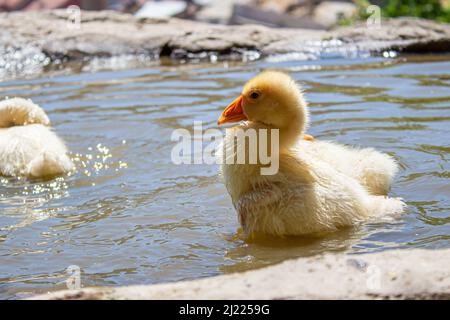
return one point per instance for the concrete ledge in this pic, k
(397, 274)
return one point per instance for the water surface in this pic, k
(130, 216)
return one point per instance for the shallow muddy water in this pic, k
(130, 216)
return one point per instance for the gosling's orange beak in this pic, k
(233, 113)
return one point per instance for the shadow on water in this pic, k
(266, 251)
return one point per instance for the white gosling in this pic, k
(28, 146)
(320, 186)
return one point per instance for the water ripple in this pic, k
(129, 216)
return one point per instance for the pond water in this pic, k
(130, 216)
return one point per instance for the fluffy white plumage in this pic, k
(28, 146)
(320, 186)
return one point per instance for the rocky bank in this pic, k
(397, 274)
(30, 41)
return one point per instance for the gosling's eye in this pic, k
(254, 95)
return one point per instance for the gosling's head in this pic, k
(272, 98)
(21, 112)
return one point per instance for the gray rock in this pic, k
(397, 274)
(48, 38)
(409, 35)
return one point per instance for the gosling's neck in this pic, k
(7, 120)
(288, 134)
